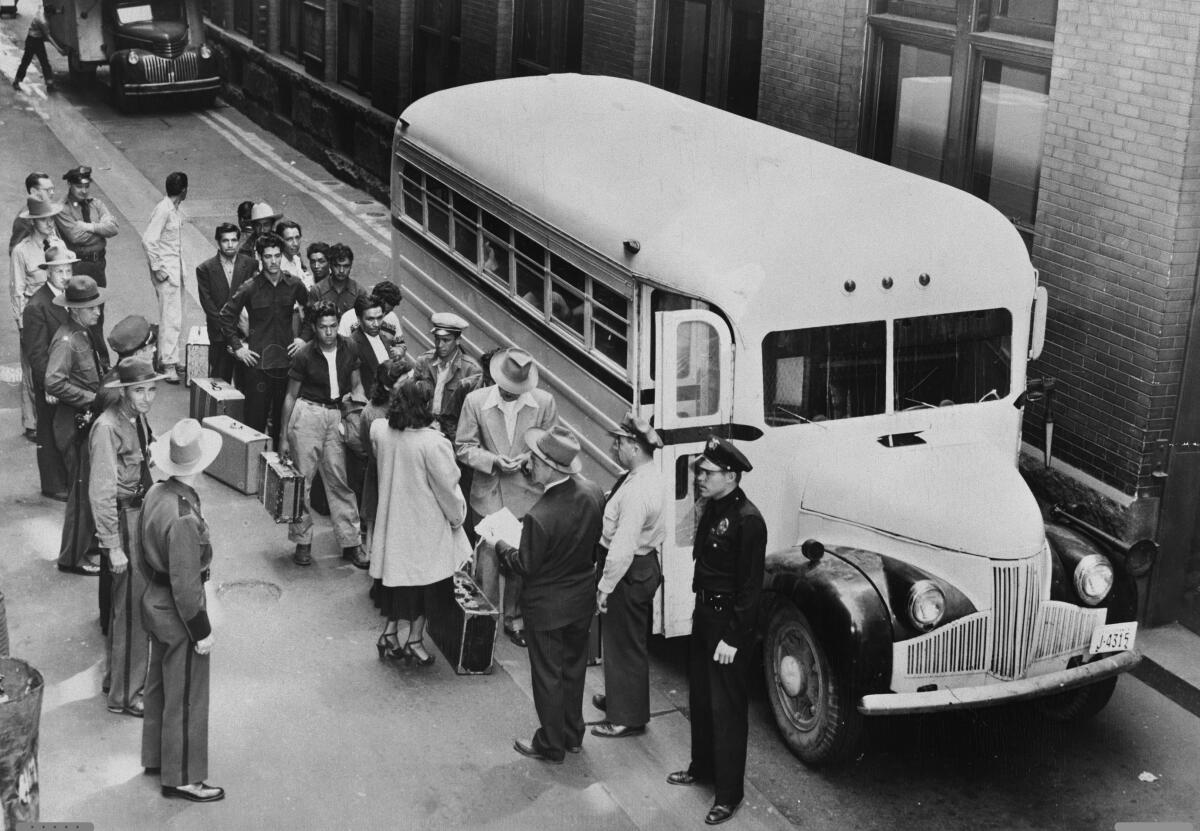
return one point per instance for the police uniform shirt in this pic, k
(74, 369)
(269, 308)
(175, 543)
(116, 458)
(311, 368)
(729, 550)
(633, 523)
(85, 236)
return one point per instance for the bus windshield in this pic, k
(957, 358)
(143, 12)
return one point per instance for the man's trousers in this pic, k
(717, 698)
(316, 444)
(128, 643)
(626, 658)
(557, 669)
(170, 320)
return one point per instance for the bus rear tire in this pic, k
(810, 696)
(1079, 704)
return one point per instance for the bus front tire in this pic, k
(1079, 704)
(810, 696)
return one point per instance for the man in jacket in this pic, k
(217, 278)
(448, 368)
(163, 241)
(491, 440)
(27, 275)
(85, 225)
(556, 560)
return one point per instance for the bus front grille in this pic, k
(160, 70)
(1015, 600)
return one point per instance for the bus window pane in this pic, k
(956, 358)
(698, 370)
(438, 201)
(611, 345)
(824, 373)
(614, 301)
(496, 258)
(411, 182)
(466, 218)
(568, 273)
(495, 226)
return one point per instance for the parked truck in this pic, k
(151, 47)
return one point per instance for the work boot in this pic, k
(303, 554)
(357, 556)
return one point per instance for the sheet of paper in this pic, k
(503, 524)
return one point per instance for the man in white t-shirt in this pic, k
(388, 294)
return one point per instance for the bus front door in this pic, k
(693, 398)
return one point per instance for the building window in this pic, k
(291, 27)
(436, 45)
(711, 51)
(356, 24)
(214, 10)
(958, 92)
(548, 37)
(243, 17)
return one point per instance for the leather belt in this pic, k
(160, 578)
(91, 256)
(329, 405)
(714, 599)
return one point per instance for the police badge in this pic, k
(723, 526)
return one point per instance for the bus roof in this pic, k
(724, 208)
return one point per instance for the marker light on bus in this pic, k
(1093, 578)
(926, 604)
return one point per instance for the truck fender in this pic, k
(845, 610)
(1067, 547)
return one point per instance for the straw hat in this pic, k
(187, 448)
(262, 210)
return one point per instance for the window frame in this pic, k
(446, 35)
(564, 33)
(358, 77)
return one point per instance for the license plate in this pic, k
(1113, 637)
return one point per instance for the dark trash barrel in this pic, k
(3, 629)
(20, 714)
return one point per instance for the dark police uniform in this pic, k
(729, 551)
(176, 554)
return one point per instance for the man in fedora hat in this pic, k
(633, 534)
(556, 560)
(491, 440)
(26, 259)
(163, 241)
(448, 368)
(37, 184)
(120, 476)
(74, 371)
(176, 555)
(729, 550)
(86, 225)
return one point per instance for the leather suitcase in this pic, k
(212, 396)
(282, 488)
(238, 464)
(195, 354)
(464, 624)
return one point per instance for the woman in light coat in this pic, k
(418, 539)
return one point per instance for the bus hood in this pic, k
(961, 497)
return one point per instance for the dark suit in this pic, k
(39, 322)
(213, 291)
(368, 363)
(557, 562)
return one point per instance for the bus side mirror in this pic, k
(1037, 329)
(812, 550)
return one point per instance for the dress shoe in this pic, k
(31, 435)
(85, 568)
(199, 792)
(600, 701)
(361, 559)
(517, 636)
(608, 730)
(172, 378)
(720, 813)
(526, 749)
(575, 749)
(302, 556)
(60, 496)
(681, 777)
(137, 709)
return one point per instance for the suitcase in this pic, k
(212, 396)
(238, 464)
(195, 354)
(281, 489)
(464, 624)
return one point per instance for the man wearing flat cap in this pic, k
(729, 550)
(556, 561)
(491, 440)
(175, 562)
(120, 476)
(85, 225)
(633, 535)
(449, 368)
(74, 371)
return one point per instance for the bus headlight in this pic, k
(1093, 578)
(926, 604)
(132, 57)
(205, 52)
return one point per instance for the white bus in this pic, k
(861, 332)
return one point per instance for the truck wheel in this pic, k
(810, 697)
(1078, 704)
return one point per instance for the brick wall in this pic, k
(811, 64)
(1117, 228)
(477, 56)
(613, 33)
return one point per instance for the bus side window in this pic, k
(697, 370)
(437, 201)
(531, 268)
(466, 220)
(496, 248)
(412, 184)
(610, 323)
(687, 507)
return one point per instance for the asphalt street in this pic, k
(310, 730)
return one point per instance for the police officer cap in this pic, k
(447, 323)
(721, 454)
(81, 175)
(130, 335)
(633, 427)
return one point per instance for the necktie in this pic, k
(143, 442)
(46, 244)
(85, 208)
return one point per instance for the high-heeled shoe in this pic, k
(389, 647)
(421, 662)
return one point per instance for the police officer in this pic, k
(120, 475)
(176, 554)
(729, 549)
(85, 225)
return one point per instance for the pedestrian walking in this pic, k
(630, 574)
(176, 557)
(217, 278)
(86, 225)
(418, 540)
(491, 439)
(270, 299)
(26, 259)
(163, 241)
(729, 550)
(556, 560)
(35, 47)
(74, 370)
(120, 476)
(323, 373)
